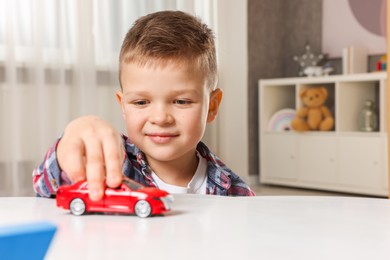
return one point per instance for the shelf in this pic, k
(344, 159)
(356, 93)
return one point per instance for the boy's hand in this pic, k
(92, 149)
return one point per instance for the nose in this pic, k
(161, 115)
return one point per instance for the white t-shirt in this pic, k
(197, 185)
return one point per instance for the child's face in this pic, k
(166, 109)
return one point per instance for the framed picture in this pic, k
(359, 23)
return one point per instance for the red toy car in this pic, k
(130, 197)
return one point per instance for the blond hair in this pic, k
(171, 36)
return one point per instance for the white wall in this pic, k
(232, 129)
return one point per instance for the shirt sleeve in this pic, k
(239, 188)
(47, 177)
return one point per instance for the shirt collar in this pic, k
(217, 172)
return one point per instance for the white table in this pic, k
(212, 227)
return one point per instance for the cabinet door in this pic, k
(317, 159)
(361, 162)
(278, 156)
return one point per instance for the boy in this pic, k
(168, 77)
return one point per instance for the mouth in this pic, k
(161, 138)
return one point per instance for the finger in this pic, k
(113, 157)
(71, 158)
(95, 169)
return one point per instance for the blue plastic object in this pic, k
(26, 241)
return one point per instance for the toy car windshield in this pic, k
(132, 185)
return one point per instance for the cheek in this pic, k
(123, 113)
(194, 122)
(133, 120)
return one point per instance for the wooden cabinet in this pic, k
(366, 165)
(317, 159)
(345, 159)
(281, 155)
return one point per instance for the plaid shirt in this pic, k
(220, 179)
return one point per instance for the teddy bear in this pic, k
(314, 115)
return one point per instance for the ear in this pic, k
(303, 92)
(119, 98)
(215, 101)
(324, 91)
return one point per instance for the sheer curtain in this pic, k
(58, 61)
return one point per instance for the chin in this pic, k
(161, 158)
(163, 155)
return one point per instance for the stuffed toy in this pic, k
(314, 115)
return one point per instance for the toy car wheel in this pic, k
(77, 207)
(142, 209)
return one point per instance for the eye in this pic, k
(182, 102)
(140, 102)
